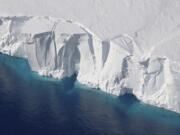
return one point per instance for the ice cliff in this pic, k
(58, 48)
(123, 46)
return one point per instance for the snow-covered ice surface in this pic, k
(120, 46)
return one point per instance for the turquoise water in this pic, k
(34, 105)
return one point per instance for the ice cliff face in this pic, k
(58, 48)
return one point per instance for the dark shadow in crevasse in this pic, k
(68, 82)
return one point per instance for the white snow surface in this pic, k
(120, 46)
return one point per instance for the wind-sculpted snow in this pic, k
(58, 48)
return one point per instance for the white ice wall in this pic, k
(58, 48)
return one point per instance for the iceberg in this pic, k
(138, 53)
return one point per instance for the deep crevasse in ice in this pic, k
(58, 48)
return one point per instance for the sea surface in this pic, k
(34, 105)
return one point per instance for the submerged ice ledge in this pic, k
(58, 48)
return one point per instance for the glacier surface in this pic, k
(120, 46)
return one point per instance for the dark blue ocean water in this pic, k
(33, 105)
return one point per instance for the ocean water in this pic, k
(33, 105)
